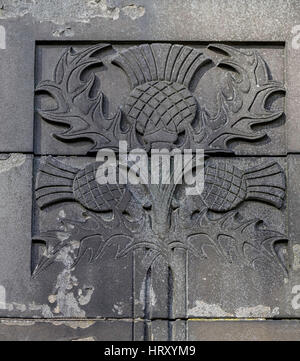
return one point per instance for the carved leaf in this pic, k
(231, 236)
(242, 103)
(76, 108)
(52, 248)
(93, 236)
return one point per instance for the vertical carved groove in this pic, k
(170, 303)
(147, 309)
(170, 293)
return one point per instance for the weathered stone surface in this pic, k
(15, 236)
(117, 330)
(218, 104)
(211, 279)
(17, 87)
(77, 76)
(218, 21)
(293, 226)
(89, 330)
(244, 331)
(118, 22)
(230, 267)
(160, 330)
(96, 286)
(293, 95)
(222, 330)
(36, 330)
(242, 280)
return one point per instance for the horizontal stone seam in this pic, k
(46, 320)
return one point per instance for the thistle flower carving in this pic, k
(163, 111)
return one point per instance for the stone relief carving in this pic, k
(150, 215)
(161, 111)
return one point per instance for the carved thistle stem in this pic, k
(161, 199)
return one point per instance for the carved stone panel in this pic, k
(146, 261)
(188, 257)
(214, 96)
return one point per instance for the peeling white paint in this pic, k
(203, 309)
(13, 160)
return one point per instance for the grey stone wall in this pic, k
(53, 282)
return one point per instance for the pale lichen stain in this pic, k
(8, 322)
(85, 295)
(74, 324)
(296, 253)
(63, 31)
(62, 13)
(68, 297)
(133, 11)
(203, 309)
(52, 299)
(258, 311)
(10, 161)
(2, 298)
(119, 308)
(208, 310)
(44, 309)
(104, 10)
(142, 298)
(11, 306)
(66, 302)
(89, 339)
